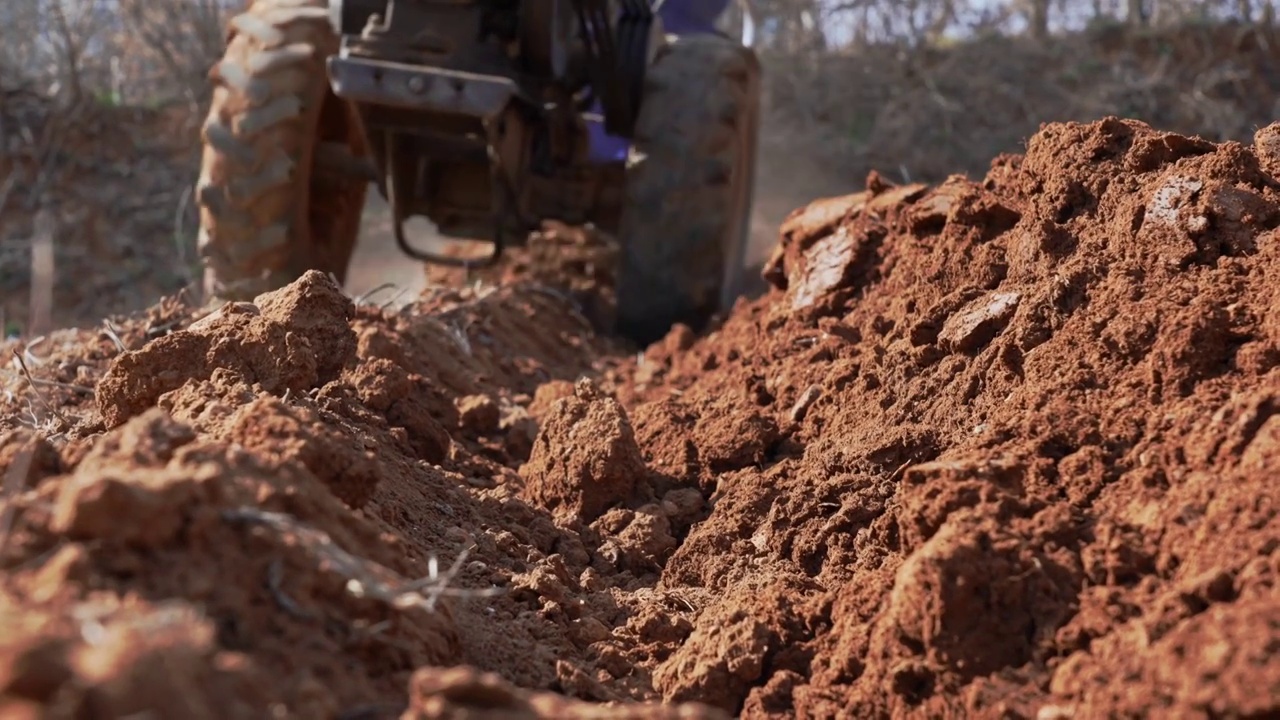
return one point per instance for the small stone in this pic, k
(977, 323)
(478, 413)
(683, 505)
(590, 630)
(521, 431)
(805, 401)
(592, 581)
(542, 582)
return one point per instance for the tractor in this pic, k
(486, 117)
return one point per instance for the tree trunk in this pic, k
(1038, 17)
(1137, 14)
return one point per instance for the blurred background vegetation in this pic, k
(919, 89)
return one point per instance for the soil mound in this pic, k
(989, 449)
(1026, 426)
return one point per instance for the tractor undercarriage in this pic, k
(474, 109)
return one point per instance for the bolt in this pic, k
(417, 85)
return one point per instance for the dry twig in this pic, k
(362, 298)
(275, 577)
(110, 331)
(366, 578)
(35, 388)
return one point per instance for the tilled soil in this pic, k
(989, 449)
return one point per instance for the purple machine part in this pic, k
(679, 17)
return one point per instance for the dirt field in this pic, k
(997, 449)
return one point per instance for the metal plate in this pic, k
(375, 82)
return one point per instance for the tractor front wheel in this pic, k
(268, 210)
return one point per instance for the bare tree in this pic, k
(182, 38)
(797, 25)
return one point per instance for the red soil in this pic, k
(991, 449)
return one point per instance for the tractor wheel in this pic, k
(690, 180)
(268, 211)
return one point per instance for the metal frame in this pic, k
(443, 84)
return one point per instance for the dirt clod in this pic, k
(479, 414)
(466, 692)
(296, 339)
(585, 459)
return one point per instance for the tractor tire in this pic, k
(268, 212)
(689, 187)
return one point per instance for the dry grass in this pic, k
(363, 578)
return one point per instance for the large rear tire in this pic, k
(689, 187)
(267, 213)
